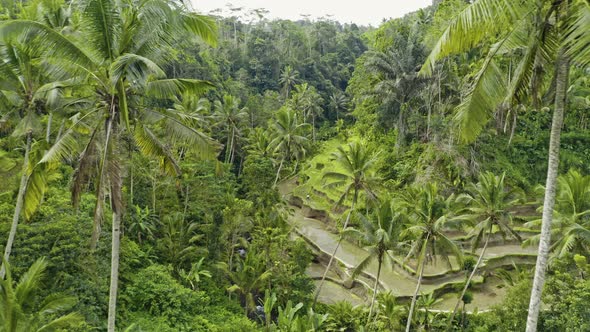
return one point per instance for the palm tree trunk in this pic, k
(413, 305)
(550, 188)
(483, 251)
(19, 204)
(279, 172)
(48, 132)
(317, 294)
(117, 203)
(375, 290)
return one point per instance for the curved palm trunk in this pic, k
(19, 204)
(479, 260)
(413, 305)
(279, 172)
(375, 289)
(317, 294)
(550, 188)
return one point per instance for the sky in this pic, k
(362, 12)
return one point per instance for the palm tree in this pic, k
(194, 275)
(429, 214)
(118, 54)
(289, 77)
(141, 224)
(231, 117)
(548, 34)
(571, 227)
(307, 100)
(22, 310)
(390, 312)
(288, 138)
(354, 172)
(25, 92)
(488, 204)
(178, 244)
(397, 84)
(380, 236)
(339, 103)
(249, 276)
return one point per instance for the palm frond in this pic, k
(62, 322)
(101, 24)
(202, 26)
(577, 38)
(479, 105)
(54, 44)
(134, 67)
(173, 87)
(150, 146)
(478, 20)
(29, 282)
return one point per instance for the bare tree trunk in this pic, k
(117, 203)
(375, 290)
(413, 305)
(19, 204)
(317, 294)
(479, 260)
(48, 132)
(550, 188)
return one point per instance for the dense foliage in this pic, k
(162, 169)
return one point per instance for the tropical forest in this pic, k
(168, 169)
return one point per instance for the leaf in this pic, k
(201, 25)
(174, 87)
(480, 19)
(150, 146)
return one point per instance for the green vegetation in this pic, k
(165, 170)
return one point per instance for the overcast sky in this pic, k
(346, 11)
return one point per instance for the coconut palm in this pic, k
(354, 172)
(289, 138)
(26, 93)
(571, 227)
(338, 103)
(429, 213)
(546, 34)
(248, 278)
(289, 77)
(231, 118)
(22, 310)
(307, 100)
(118, 54)
(380, 236)
(488, 206)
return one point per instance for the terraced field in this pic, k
(311, 223)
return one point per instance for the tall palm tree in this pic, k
(22, 310)
(380, 236)
(548, 34)
(355, 172)
(26, 94)
(231, 117)
(289, 138)
(571, 227)
(118, 54)
(307, 100)
(488, 204)
(429, 214)
(397, 84)
(289, 77)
